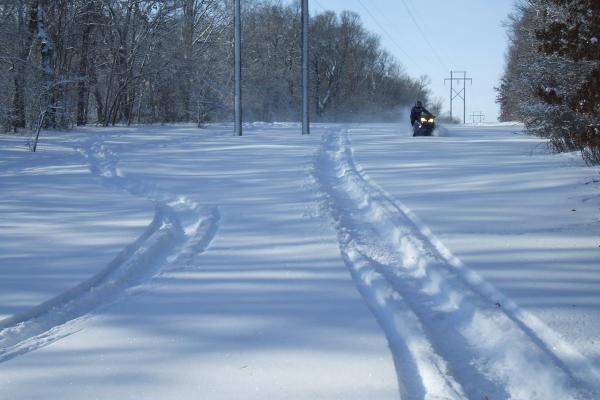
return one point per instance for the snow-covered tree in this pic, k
(571, 35)
(136, 61)
(552, 76)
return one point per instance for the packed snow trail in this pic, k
(180, 231)
(448, 328)
(268, 312)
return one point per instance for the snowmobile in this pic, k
(424, 125)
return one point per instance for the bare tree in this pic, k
(67, 62)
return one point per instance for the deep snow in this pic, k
(359, 262)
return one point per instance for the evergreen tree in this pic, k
(552, 76)
(572, 34)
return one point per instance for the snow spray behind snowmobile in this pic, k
(424, 125)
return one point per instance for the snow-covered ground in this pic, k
(357, 262)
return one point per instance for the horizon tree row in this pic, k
(106, 62)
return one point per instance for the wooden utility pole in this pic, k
(305, 69)
(238, 68)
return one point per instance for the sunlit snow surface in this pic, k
(358, 262)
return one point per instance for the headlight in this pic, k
(423, 119)
(431, 120)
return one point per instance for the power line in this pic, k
(384, 16)
(320, 5)
(391, 37)
(419, 17)
(384, 31)
(438, 59)
(424, 36)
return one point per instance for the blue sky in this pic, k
(463, 34)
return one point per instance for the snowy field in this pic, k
(355, 263)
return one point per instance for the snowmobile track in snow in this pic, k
(180, 231)
(452, 335)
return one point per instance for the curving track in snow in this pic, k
(180, 230)
(452, 335)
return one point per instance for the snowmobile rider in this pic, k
(417, 111)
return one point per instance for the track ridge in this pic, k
(478, 339)
(180, 231)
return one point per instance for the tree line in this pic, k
(552, 76)
(79, 62)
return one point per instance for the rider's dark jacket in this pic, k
(416, 113)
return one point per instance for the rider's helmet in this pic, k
(419, 104)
